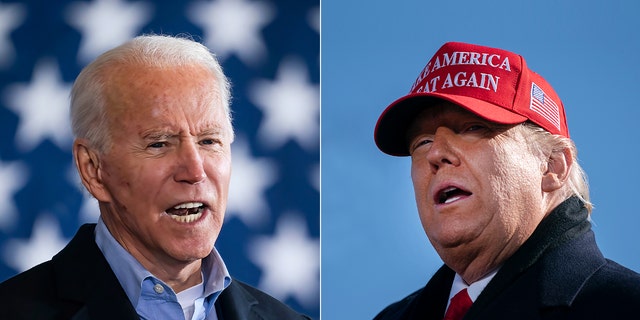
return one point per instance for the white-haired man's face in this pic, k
(165, 179)
(477, 186)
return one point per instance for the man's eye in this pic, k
(474, 127)
(208, 141)
(419, 143)
(157, 145)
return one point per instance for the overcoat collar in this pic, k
(546, 272)
(558, 258)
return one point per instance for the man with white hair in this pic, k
(153, 131)
(500, 195)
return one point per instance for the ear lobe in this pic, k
(89, 168)
(558, 167)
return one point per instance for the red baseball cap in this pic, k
(493, 83)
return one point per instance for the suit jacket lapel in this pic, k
(235, 303)
(85, 276)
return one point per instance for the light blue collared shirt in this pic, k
(150, 296)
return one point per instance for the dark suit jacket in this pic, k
(79, 284)
(558, 273)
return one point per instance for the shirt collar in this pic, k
(216, 275)
(131, 273)
(473, 289)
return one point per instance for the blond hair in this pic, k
(545, 143)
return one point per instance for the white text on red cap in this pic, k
(461, 79)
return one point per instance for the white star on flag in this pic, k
(13, 176)
(289, 260)
(250, 177)
(11, 15)
(106, 23)
(43, 107)
(290, 104)
(270, 51)
(46, 240)
(233, 27)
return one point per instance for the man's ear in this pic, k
(90, 170)
(558, 167)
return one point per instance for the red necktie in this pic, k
(459, 305)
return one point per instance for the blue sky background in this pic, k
(374, 250)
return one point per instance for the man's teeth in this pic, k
(187, 218)
(188, 205)
(186, 212)
(449, 195)
(452, 199)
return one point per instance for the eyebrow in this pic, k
(215, 130)
(160, 134)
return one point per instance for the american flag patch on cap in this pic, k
(543, 105)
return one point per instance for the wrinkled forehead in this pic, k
(157, 92)
(141, 78)
(133, 86)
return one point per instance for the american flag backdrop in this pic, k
(270, 49)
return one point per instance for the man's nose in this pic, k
(191, 164)
(442, 151)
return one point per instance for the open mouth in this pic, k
(450, 194)
(186, 212)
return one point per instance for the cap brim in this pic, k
(391, 130)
